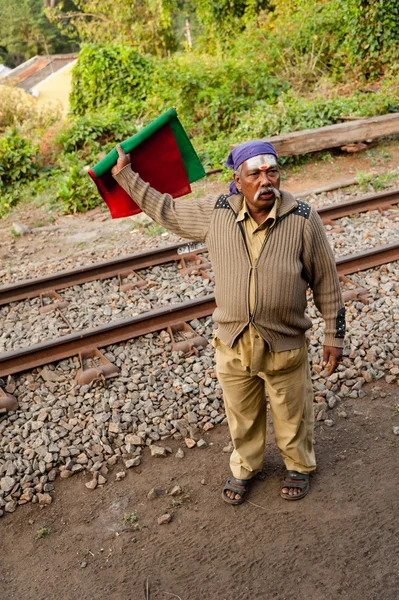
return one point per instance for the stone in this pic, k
(208, 426)
(180, 453)
(7, 483)
(190, 443)
(321, 415)
(229, 448)
(164, 519)
(154, 493)
(396, 429)
(44, 499)
(11, 506)
(21, 229)
(101, 480)
(342, 414)
(201, 443)
(91, 485)
(135, 440)
(329, 422)
(158, 451)
(175, 491)
(119, 476)
(132, 462)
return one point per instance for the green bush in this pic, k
(18, 159)
(105, 73)
(75, 191)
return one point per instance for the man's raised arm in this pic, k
(187, 218)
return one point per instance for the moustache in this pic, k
(267, 190)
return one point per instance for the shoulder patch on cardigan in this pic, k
(303, 210)
(222, 202)
(340, 323)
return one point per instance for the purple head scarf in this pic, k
(245, 151)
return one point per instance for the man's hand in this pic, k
(123, 160)
(331, 356)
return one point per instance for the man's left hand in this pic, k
(331, 357)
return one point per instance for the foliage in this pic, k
(96, 131)
(18, 159)
(376, 43)
(43, 533)
(26, 31)
(75, 190)
(112, 72)
(144, 25)
(223, 19)
(17, 108)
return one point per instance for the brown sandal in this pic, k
(295, 480)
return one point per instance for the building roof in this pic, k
(4, 71)
(36, 69)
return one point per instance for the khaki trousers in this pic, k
(286, 376)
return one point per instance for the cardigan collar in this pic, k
(287, 204)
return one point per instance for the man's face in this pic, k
(255, 180)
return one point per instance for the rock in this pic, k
(321, 415)
(11, 506)
(180, 453)
(135, 440)
(119, 476)
(190, 443)
(44, 499)
(154, 493)
(66, 473)
(208, 426)
(7, 483)
(158, 451)
(229, 448)
(21, 229)
(342, 414)
(133, 462)
(396, 429)
(201, 444)
(164, 519)
(101, 480)
(91, 485)
(329, 422)
(175, 491)
(83, 564)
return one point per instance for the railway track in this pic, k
(86, 342)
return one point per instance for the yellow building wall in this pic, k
(57, 87)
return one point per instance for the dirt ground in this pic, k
(341, 541)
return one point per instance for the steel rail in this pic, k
(31, 288)
(368, 259)
(111, 333)
(382, 200)
(160, 318)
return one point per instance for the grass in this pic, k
(377, 182)
(43, 533)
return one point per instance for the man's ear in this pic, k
(237, 181)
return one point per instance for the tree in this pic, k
(142, 24)
(25, 31)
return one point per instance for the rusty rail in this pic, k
(160, 318)
(368, 259)
(111, 333)
(380, 201)
(31, 288)
(101, 270)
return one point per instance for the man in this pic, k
(265, 248)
